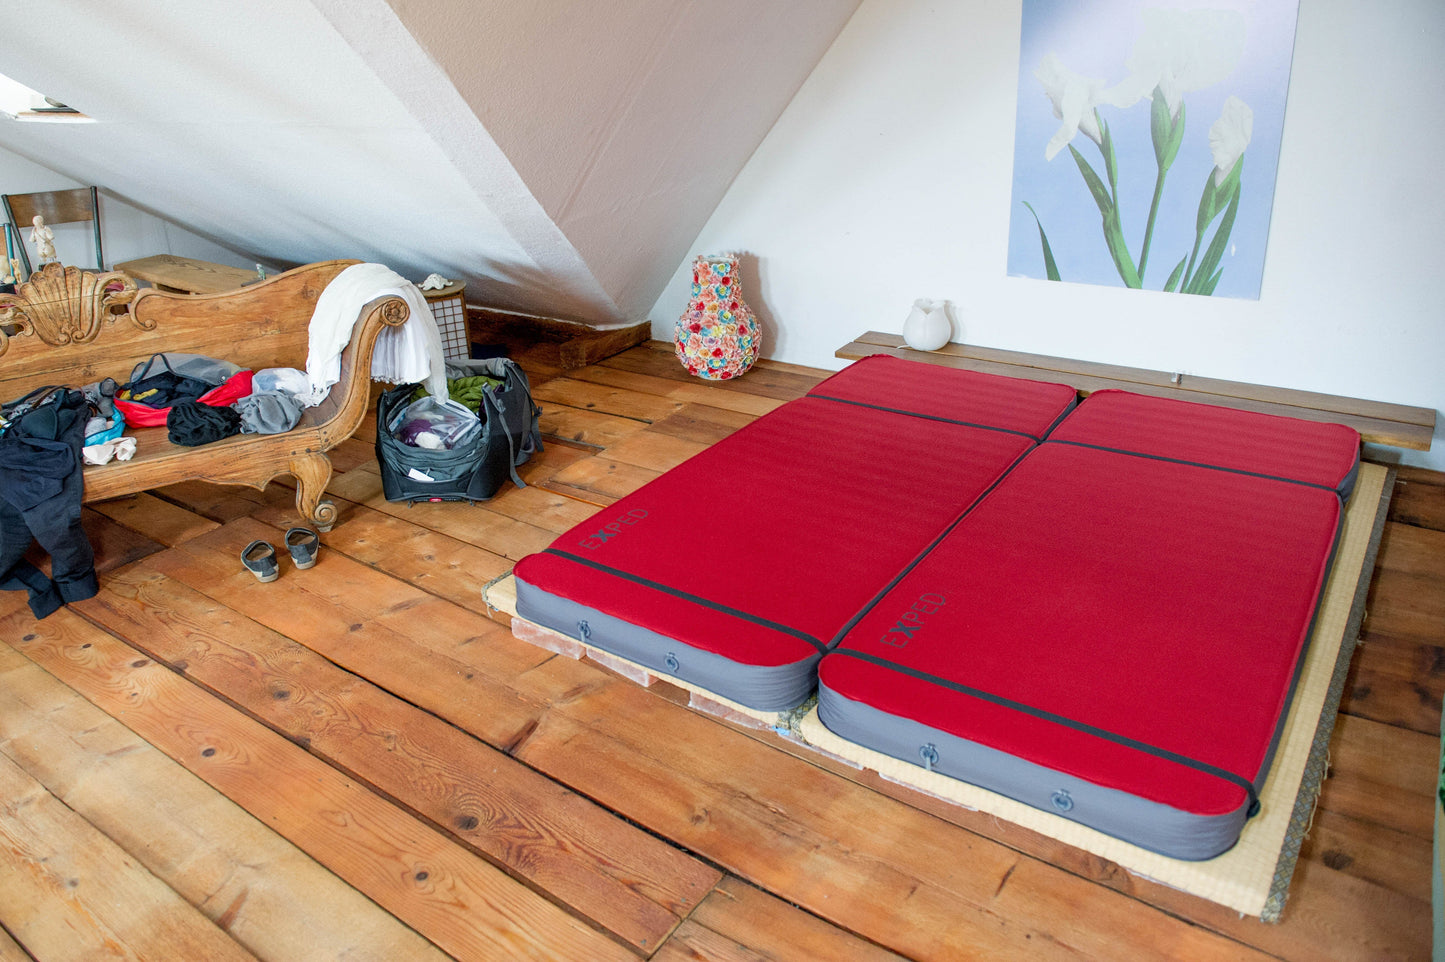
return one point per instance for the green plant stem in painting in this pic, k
(1207, 277)
(1215, 197)
(1109, 213)
(1119, 251)
(1167, 132)
(1149, 227)
(1174, 276)
(1111, 162)
(1050, 267)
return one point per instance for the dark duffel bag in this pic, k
(476, 468)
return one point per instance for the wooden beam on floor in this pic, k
(568, 344)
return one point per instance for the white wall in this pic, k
(126, 232)
(888, 178)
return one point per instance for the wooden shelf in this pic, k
(1394, 425)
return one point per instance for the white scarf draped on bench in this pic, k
(410, 353)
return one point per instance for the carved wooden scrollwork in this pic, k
(394, 312)
(63, 305)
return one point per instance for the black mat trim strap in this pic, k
(1196, 464)
(926, 417)
(686, 596)
(1065, 721)
(918, 559)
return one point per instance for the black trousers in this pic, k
(41, 488)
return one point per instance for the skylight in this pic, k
(21, 103)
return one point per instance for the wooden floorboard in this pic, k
(266, 893)
(68, 891)
(359, 761)
(621, 879)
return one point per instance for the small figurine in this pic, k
(44, 240)
(435, 282)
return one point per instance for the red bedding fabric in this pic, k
(1309, 451)
(800, 518)
(797, 519)
(1157, 601)
(1015, 404)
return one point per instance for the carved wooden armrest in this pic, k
(346, 404)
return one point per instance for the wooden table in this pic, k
(186, 275)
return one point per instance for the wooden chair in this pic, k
(57, 207)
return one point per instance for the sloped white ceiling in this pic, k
(559, 156)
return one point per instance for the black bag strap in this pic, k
(12, 412)
(491, 399)
(515, 380)
(145, 369)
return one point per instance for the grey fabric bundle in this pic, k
(212, 371)
(268, 412)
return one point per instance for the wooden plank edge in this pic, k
(1317, 764)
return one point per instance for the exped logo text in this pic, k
(912, 619)
(612, 529)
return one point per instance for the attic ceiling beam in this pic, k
(389, 50)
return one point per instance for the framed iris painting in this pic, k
(1147, 140)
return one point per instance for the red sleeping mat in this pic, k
(1306, 451)
(1113, 636)
(737, 569)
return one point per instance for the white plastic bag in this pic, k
(435, 423)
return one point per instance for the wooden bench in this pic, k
(67, 326)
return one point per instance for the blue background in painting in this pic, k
(1094, 39)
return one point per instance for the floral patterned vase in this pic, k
(717, 337)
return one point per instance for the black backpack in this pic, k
(475, 469)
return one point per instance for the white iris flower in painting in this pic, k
(1176, 53)
(1230, 136)
(1074, 98)
(1180, 51)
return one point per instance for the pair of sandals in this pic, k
(259, 557)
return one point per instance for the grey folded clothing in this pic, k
(268, 412)
(101, 396)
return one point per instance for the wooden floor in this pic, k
(358, 762)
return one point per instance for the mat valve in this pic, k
(929, 754)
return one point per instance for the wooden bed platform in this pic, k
(358, 761)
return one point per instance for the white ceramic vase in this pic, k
(928, 326)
